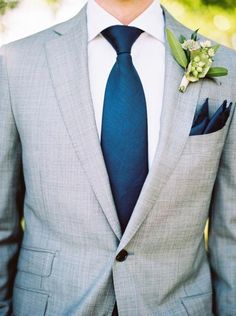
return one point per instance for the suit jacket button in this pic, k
(122, 255)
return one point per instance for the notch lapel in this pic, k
(176, 121)
(68, 65)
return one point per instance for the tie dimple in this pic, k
(122, 37)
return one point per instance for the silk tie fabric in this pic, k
(124, 139)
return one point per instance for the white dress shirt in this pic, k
(148, 54)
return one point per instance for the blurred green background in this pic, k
(215, 18)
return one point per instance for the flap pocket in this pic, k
(36, 261)
(198, 305)
(28, 303)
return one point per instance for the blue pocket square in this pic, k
(203, 124)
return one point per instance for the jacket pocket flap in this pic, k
(198, 304)
(27, 301)
(36, 261)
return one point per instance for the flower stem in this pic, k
(184, 84)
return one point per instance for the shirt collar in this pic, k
(150, 21)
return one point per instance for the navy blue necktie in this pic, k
(124, 124)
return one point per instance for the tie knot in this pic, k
(121, 37)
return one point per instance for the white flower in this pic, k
(205, 44)
(190, 45)
(211, 52)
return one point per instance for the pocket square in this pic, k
(203, 124)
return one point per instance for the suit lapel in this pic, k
(68, 65)
(176, 120)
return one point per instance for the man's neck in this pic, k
(125, 10)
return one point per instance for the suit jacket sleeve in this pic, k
(11, 192)
(222, 230)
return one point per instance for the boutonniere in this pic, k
(195, 58)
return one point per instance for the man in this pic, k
(117, 193)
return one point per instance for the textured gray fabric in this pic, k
(67, 260)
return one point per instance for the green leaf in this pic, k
(176, 49)
(217, 72)
(216, 47)
(188, 55)
(194, 35)
(182, 39)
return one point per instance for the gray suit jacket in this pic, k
(49, 145)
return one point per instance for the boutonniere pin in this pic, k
(195, 58)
